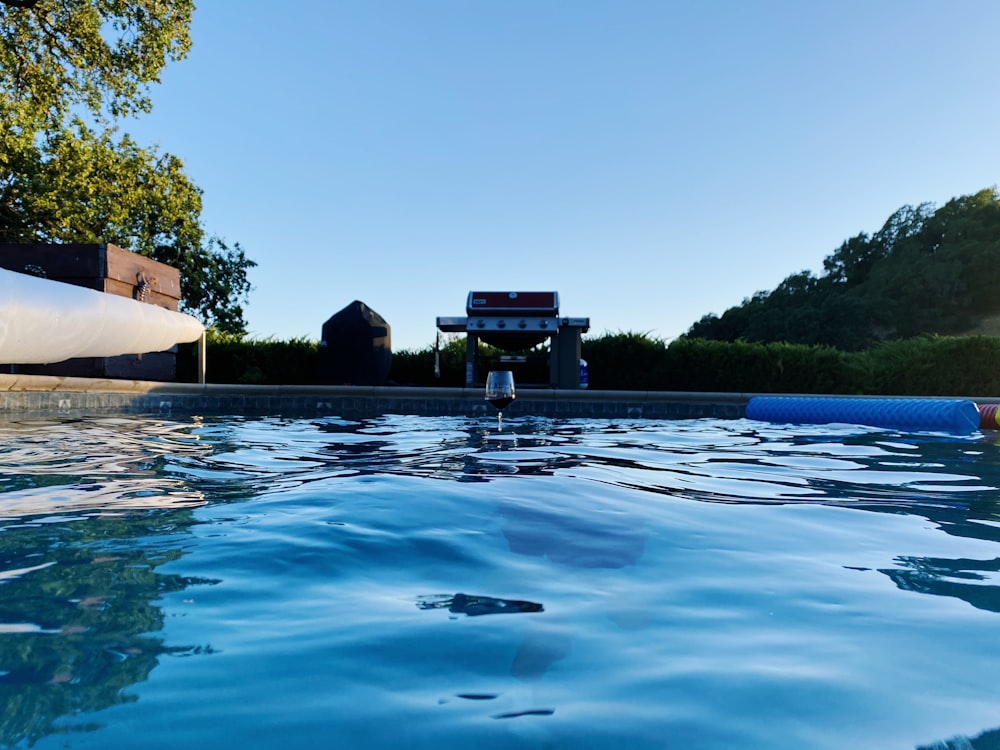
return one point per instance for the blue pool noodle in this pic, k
(947, 415)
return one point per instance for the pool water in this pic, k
(417, 582)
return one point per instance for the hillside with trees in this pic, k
(926, 271)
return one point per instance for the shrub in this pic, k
(743, 367)
(625, 361)
(232, 358)
(416, 367)
(929, 366)
(935, 366)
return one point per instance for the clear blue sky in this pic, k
(650, 160)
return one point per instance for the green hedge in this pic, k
(936, 365)
(234, 359)
(928, 366)
(417, 367)
(699, 365)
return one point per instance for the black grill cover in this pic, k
(356, 347)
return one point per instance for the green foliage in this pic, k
(214, 281)
(924, 366)
(417, 367)
(625, 361)
(98, 612)
(934, 366)
(68, 71)
(635, 361)
(744, 367)
(61, 55)
(628, 361)
(233, 358)
(925, 271)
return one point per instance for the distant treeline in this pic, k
(927, 366)
(926, 271)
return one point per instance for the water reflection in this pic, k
(79, 621)
(986, 741)
(580, 531)
(103, 464)
(474, 606)
(950, 481)
(963, 579)
(92, 509)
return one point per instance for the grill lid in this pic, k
(513, 303)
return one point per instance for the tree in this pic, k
(925, 271)
(70, 72)
(852, 261)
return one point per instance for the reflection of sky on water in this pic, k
(91, 509)
(698, 459)
(121, 464)
(111, 464)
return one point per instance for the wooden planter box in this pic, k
(110, 269)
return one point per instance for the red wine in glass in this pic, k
(500, 392)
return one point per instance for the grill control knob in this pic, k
(522, 324)
(543, 324)
(480, 323)
(501, 324)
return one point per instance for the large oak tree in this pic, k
(71, 71)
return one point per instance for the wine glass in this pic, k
(500, 392)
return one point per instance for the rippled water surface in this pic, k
(414, 582)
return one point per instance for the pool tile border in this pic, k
(44, 396)
(37, 395)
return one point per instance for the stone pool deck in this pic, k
(37, 395)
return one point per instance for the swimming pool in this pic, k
(429, 582)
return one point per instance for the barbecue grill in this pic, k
(515, 321)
